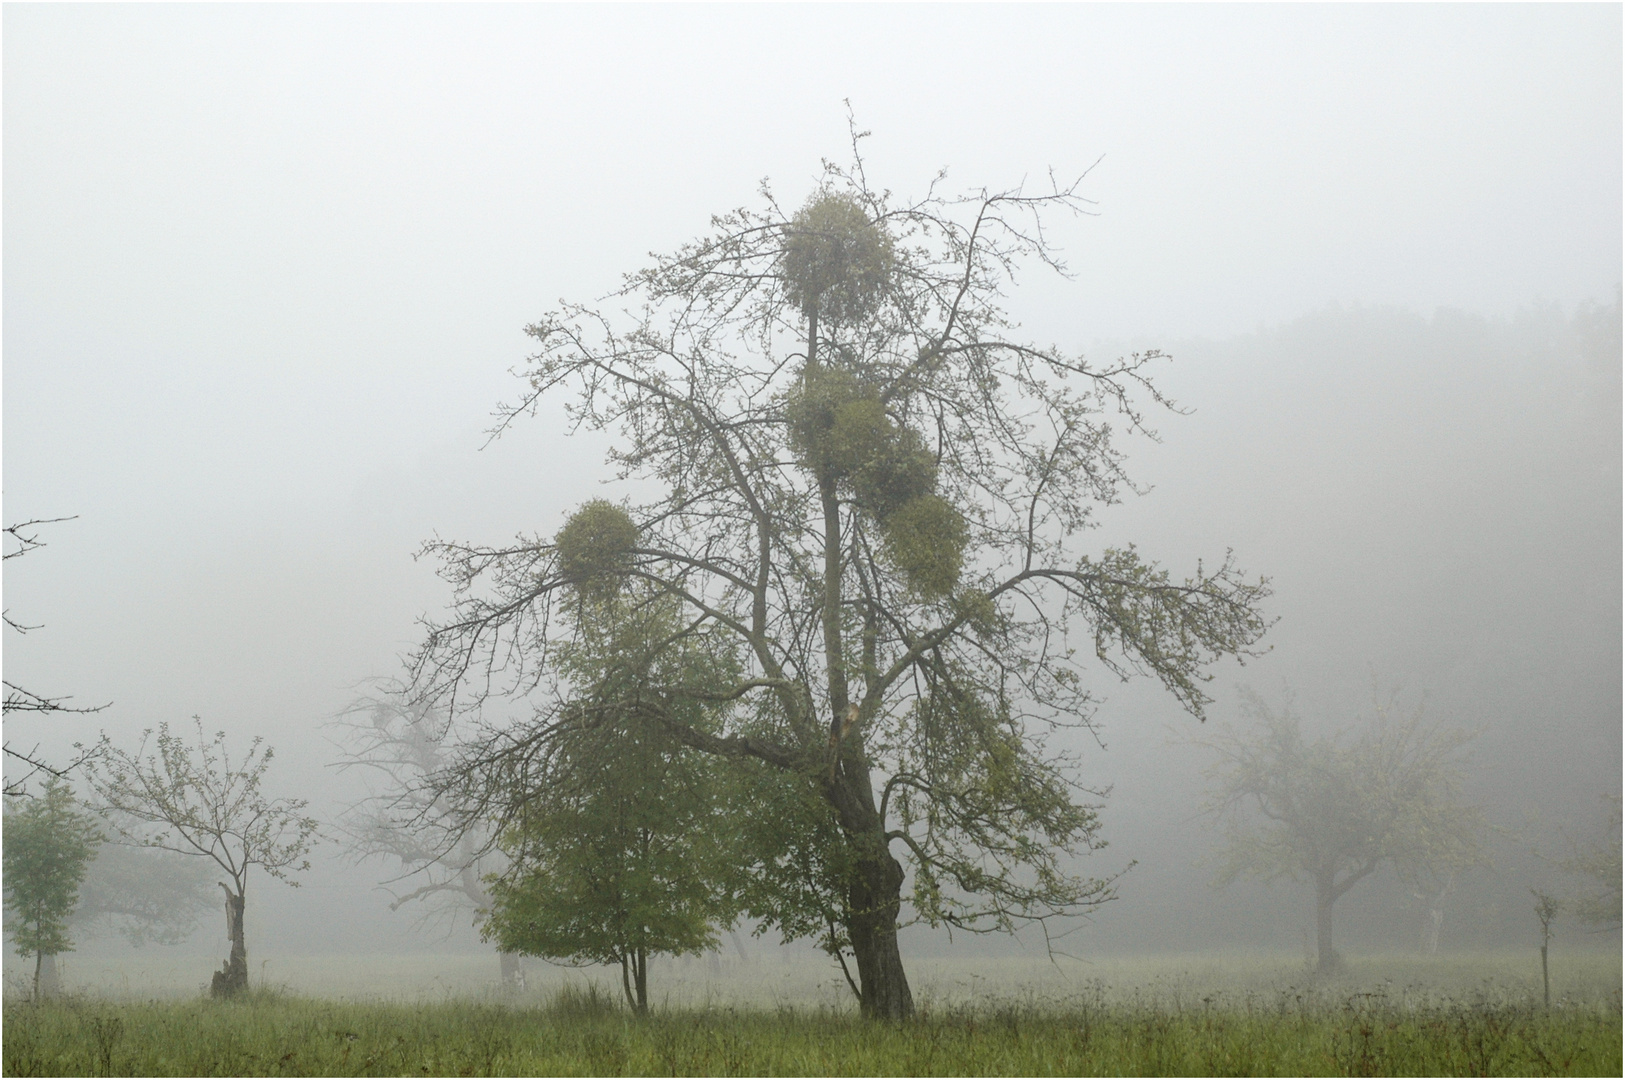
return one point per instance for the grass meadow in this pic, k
(1463, 1015)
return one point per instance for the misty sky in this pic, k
(266, 270)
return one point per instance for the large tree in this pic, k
(196, 800)
(1338, 807)
(850, 468)
(49, 842)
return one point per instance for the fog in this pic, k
(266, 270)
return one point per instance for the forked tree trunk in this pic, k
(512, 977)
(635, 979)
(232, 979)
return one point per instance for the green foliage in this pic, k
(795, 859)
(1278, 1035)
(621, 852)
(925, 539)
(840, 431)
(901, 471)
(48, 844)
(836, 261)
(595, 547)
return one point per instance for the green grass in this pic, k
(583, 1032)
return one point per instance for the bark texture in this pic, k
(875, 897)
(232, 979)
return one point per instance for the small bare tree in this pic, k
(197, 801)
(399, 744)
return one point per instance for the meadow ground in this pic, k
(1468, 1015)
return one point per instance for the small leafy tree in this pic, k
(48, 843)
(399, 744)
(196, 801)
(878, 494)
(621, 849)
(1336, 808)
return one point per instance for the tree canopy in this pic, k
(1597, 865)
(853, 473)
(1336, 808)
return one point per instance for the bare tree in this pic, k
(198, 802)
(1336, 809)
(401, 745)
(20, 700)
(879, 496)
(1547, 909)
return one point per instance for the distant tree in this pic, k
(48, 842)
(19, 700)
(1336, 808)
(196, 801)
(621, 850)
(855, 471)
(143, 894)
(1598, 864)
(443, 862)
(1547, 909)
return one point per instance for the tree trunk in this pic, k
(875, 888)
(512, 977)
(640, 973)
(1328, 961)
(232, 979)
(47, 982)
(874, 896)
